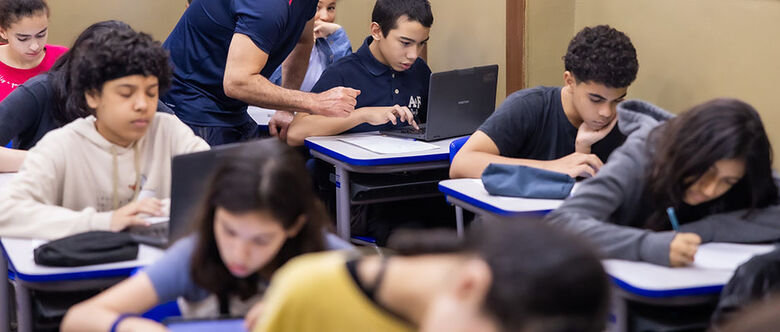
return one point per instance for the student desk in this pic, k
(471, 195)
(665, 286)
(347, 158)
(30, 276)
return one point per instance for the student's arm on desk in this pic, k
(589, 211)
(134, 295)
(29, 202)
(763, 225)
(242, 81)
(306, 125)
(480, 151)
(11, 159)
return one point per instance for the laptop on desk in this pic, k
(459, 101)
(190, 175)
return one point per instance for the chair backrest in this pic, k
(456, 145)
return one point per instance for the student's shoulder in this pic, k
(539, 94)
(63, 137)
(347, 63)
(56, 50)
(298, 271)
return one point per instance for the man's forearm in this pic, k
(258, 91)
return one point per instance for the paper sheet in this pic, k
(388, 145)
(727, 256)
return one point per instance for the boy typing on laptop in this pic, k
(393, 80)
(569, 129)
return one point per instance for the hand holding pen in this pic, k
(683, 247)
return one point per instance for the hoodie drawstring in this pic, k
(115, 175)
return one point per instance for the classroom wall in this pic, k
(548, 27)
(691, 51)
(70, 17)
(464, 33)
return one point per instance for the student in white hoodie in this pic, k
(88, 174)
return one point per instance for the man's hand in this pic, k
(683, 248)
(576, 164)
(129, 215)
(324, 29)
(381, 115)
(339, 101)
(586, 136)
(279, 123)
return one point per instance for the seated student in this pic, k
(567, 129)
(46, 102)
(330, 44)
(87, 175)
(259, 212)
(712, 165)
(393, 80)
(24, 24)
(506, 276)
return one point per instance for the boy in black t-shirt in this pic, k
(569, 129)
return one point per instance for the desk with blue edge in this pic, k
(26, 275)
(348, 158)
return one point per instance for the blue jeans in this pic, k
(226, 135)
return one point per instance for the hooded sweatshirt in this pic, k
(610, 208)
(73, 179)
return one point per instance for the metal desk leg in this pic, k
(343, 218)
(618, 314)
(5, 310)
(23, 308)
(459, 220)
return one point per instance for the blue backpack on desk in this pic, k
(524, 181)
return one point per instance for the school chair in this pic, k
(456, 145)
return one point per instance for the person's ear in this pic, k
(376, 31)
(93, 98)
(296, 228)
(4, 34)
(569, 79)
(473, 281)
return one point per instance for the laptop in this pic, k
(459, 101)
(190, 174)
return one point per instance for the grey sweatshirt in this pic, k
(608, 209)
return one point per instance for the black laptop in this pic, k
(459, 101)
(190, 174)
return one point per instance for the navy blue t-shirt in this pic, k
(199, 46)
(379, 84)
(531, 124)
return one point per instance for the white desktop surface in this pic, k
(472, 191)
(334, 147)
(654, 280)
(20, 256)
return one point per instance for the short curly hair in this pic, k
(119, 53)
(602, 54)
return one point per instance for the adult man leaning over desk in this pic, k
(223, 51)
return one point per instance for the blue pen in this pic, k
(673, 219)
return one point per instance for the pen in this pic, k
(673, 219)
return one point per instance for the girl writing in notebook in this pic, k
(710, 168)
(258, 212)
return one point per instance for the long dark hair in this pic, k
(260, 176)
(687, 146)
(70, 105)
(12, 11)
(541, 278)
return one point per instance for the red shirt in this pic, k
(11, 77)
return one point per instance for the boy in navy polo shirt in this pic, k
(393, 80)
(569, 129)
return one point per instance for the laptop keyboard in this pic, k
(411, 130)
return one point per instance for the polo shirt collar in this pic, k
(373, 65)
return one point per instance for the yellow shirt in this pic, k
(315, 293)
